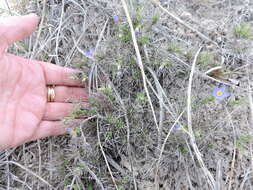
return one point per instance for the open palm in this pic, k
(25, 114)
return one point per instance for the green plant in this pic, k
(208, 99)
(143, 40)
(246, 138)
(125, 34)
(79, 76)
(90, 187)
(155, 18)
(125, 180)
(242, 141)
(205, 57)
(67, 182)
(117, 122)
(173, 48)
(182, 149)
(243, 31)
(121, 188)
(106, 90)
(108, 134)
(233, 103)
(141, 98)
(137, 20)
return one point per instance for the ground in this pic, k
(172, 111)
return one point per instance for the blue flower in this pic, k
(220, 93)
(177, 127)
(137, 34)
(69, 129)
(90, 53)
(115, 18)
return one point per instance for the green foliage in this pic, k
(76, 132)
(162, 64)
(76, 187)
(78, 111)
(100, 57)
(90, 187)
(166, 63)
(197, 134)
(67, 182)
(84, 61)
(78, 76)
(243, 31)
(182, 149)
(109, 134)
(106, 89)
(66, 162)
(208, 99)
(80, 166)
(173, 48)
(242, 141)
(198, 104)
(22, 46)
(205, 57)
(143, 40)
(125, 180)
(125, 33)
(121, 188)
(240, 146)
(117, 122)
(114, 69)
(246, 138)
(233, 103)
(189, 56)
(138, 16)
(141, 98)
(136, 74)
(132, 61)
(155, 18)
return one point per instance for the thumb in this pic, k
(16, 28)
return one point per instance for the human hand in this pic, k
(25, 114)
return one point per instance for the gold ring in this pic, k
(50, 94)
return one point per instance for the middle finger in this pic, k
(70, 94)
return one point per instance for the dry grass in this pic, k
(146, 77)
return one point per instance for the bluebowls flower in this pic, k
(115, 18)
(177, 127)
(220, 93)
(90, 53)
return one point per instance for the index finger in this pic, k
(16, 28)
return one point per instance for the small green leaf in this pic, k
(173, 48)
(243, 31)
(246, 138)
(209, 99)
(80, 166)
(143, 40)
(90, 187)
(67, 182)
(233, 103)
(155, 19)
(205, 57)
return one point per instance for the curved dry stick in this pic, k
(139, 59)
(106, 161)
(40, 29)
(31, 172)
(209, 176)
(162, 149)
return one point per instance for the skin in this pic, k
(25, 114)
